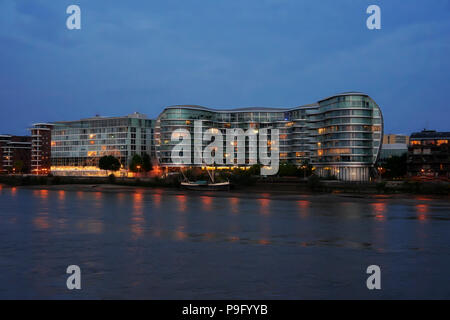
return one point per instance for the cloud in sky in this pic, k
(144, 55)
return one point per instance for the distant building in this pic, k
(40, 148)
(77, 146)
(15, 154)
(429, 154)
(395, 139)
(393, 149)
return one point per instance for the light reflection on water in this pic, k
(144, 228)
(93, 209)
(379, 209)
(138, 220)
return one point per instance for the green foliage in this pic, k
(255, 170)
(381, 187)
(146, 163)
(243, 177)
(395, 167)
(136, 163)
(109, 163)
(288, 170)
(314, 183)
(18, 166)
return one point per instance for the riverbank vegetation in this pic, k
(245, 180)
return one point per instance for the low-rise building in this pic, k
(429, 154)
(15, 154)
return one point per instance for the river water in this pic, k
(173, 245)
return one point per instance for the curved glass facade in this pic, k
(340, 135)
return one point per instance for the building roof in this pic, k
(247, 109)
(260, 109)
(430, 134)
(135, 115)
(351, 93)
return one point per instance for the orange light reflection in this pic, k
(379, 209)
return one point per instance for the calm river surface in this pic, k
(164, 245)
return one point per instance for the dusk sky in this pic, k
(144, 55)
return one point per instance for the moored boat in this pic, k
(204, 185)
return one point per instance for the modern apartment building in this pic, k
(429, 154)
(41, 148)
(15, 152)
(77, 146)
(340, 136)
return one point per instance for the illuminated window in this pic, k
(415, 142)
(339, 151)
(439, 142)
(320, 153)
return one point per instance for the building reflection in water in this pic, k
(264, 206)
(43, 194)
(80, 195)
(181, 199)
(180, 222)
(61, 220)
(138, 219)
(13, 191)
(422, 211)
(209, 236)
(206, 202)
(121, 197)
(98, 195)
(303, 208)
(180, 234)
(157, 200)
(98, 201)
(41, 221)
(234, 204)
(379, 210)
(264, 242)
